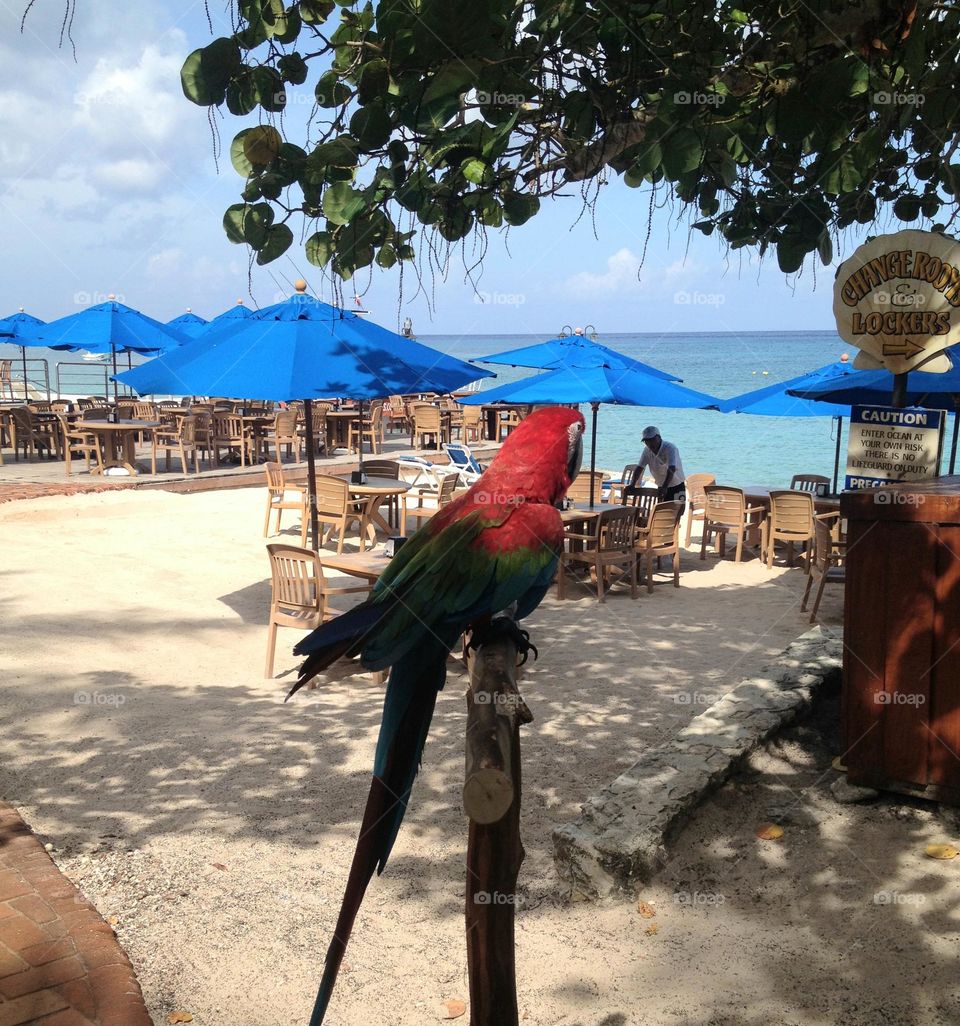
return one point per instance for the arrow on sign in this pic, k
(907, 349)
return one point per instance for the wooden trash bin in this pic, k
(901, 663)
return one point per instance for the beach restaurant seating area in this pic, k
(619, 541)
(97, 435)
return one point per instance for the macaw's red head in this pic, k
(540, 457)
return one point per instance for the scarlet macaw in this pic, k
(493, 548)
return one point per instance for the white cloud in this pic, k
(621, 273)
(130, 175)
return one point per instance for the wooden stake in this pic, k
(494, 850)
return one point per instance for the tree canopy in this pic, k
(774, 123)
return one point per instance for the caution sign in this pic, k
(897, 299)
(892, 445)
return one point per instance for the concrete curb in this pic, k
(622, 836)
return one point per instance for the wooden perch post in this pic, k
(491, 799)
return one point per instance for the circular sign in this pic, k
(898, 300)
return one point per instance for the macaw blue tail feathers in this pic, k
(407, 712)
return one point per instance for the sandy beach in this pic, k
(216, 823)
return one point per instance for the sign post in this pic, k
(898, 300)
(887, 444)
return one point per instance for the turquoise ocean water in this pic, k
(737, 448)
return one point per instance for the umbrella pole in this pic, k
(593, 448)
(311, 472)
(956, 427)
(899, 398)
(23, 357)
(836, 455)
(116, 387)
(360, 442)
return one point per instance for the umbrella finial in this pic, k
(111, 297)
(189, 309)
(300, 285)
(239, 302)
(844, 357)
(578, 331)
(21, 309)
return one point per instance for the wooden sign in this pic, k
(898, 300)
(887, 444)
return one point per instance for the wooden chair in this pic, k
(26, 434)
(277, 489)
(370, 428)
(61, 406)
(230, 433)
(472, 425)
(579, 490)
(661, 537)
(828, 561)
(299, 594)
(726, 512)
(448, 485)
(126, 411)
(77, 442)
(791, 521)
(283, 432)
(696, 500)
(610, 544)
(6, 379)
(395, 414)
(181, 440)
(808, 482)
(643, 501)
(614, 488)
(318, 422)
(169, 404)
(427, 423)
(337, 510)
(40, 406)
(506, 422)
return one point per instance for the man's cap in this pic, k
(650, 432)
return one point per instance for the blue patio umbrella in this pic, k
(570, 351)
(20, 328)
(302, 349)
(188, 324)
(109, 327)
(237, 312)
(875, 388)
(623, 386)
(778, 400)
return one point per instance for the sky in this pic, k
(108, 185)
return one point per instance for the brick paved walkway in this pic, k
(60, 963)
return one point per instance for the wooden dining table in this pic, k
(757, 495)
(373, 492)
(120, 440)
(338, 427)
(369, 564)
